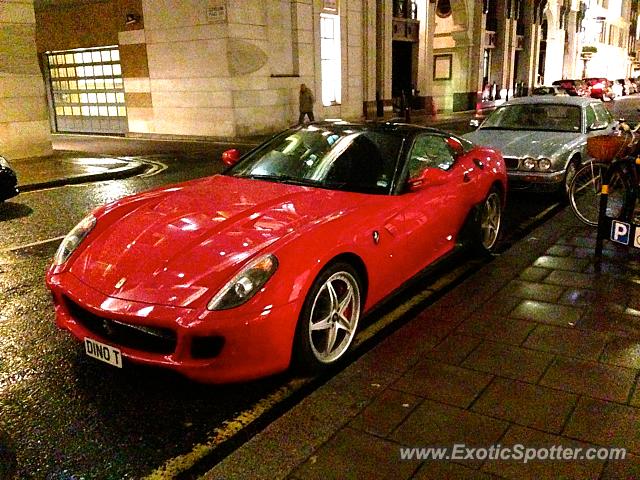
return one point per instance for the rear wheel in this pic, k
(586, 188)
(489, 222)
(329, 318)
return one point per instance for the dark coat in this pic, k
(306, 100)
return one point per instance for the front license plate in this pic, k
(102, 352)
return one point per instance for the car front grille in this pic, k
(511, 162)
(138, 337)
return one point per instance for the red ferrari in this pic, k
(273, 262)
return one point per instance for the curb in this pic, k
(114, 174)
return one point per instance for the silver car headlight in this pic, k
(529, 163)
(73, 239)
(246, 284)
(3, 162)
(544, 164)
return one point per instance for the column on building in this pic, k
(504, 52)
(527, 68)
(384, 13)
(456, 61)
(353, 46)
(424, 84)
(132, 45)
(372, 100)
(572, 65)
(554, 59)
(24, 123)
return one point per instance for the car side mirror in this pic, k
(456, 146)
(230, 157)
(427, 178)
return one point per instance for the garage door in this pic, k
(87, 91)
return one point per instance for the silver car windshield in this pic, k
(549, 117)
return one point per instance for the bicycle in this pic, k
(617, 156)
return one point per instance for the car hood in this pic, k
(521, 143)
(175, 247)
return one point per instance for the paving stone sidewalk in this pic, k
(536, 348)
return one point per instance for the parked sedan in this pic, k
(8, 180)
(543, 139)
(238, 275)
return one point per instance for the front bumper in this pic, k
(536, 181)
(213, 347)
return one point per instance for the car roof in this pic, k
(390, 126)
(578, 101)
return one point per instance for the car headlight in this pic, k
(73, 239)
(245, 284)
(3, 162)
(529, 163)
(544, 164)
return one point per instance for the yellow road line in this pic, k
(227, 430)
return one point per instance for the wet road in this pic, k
(69, 417)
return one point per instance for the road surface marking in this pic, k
(229, 428)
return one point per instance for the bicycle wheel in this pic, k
(586, 187)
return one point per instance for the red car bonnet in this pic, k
(174, 248)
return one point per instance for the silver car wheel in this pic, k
(334, 317)
(490, 220)
(572, 168)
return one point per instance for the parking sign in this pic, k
(621, 232)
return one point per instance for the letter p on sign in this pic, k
(620, 232)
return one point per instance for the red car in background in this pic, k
(600, 88)
(273, 262)
(575, 88)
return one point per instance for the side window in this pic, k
(602, 114)
(591, 116)
(429, 151)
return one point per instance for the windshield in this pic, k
(551, 117)
(336, 157)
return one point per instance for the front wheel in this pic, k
(586, 187)
(572, 168)
(329, 318)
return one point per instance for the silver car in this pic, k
(543, 139)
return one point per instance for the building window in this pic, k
(603, 32)
(330, 59)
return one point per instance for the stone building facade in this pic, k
(24, 127)
(227, 68)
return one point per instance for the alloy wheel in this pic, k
(334, 317)
(490, 220)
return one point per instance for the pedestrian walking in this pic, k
(306, 103)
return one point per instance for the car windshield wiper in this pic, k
(506, 127)
(282, 178)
